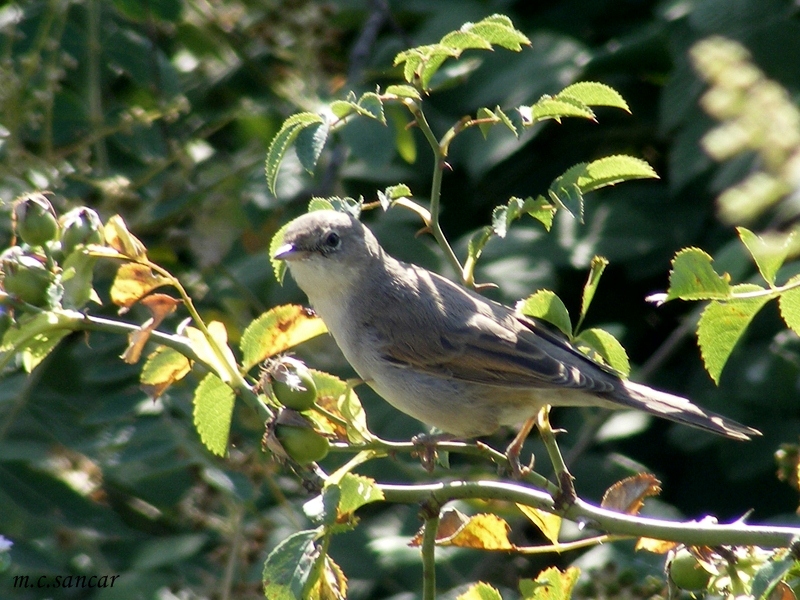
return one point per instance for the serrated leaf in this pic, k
(612, 170)
(432, 65)
(355, 492)
(289, 566)
(548, 523)
(789, 304)
(132, 282)
(371, 105)
(464, 39)
(768, 254)
(309, 144)
(551, 584)
(592, 93)
(608, 347)
(541, 210)
(505, 120)
(483, 531)
(476, 245)
(278, 266)
(628, 495)
(480, 591)
(722, 324)
(213, 408)
(316, 204)
(547, 306)
(288, 132)
(277, 330)
(598, 265)
(337, 398)
(548, 107)
(342, 108)
(693, 277)
(498, 30)
(163, 367)
(222, 365)
(404, 91)
(503, 216)
(332, 583)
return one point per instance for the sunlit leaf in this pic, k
(213, 408)
(770, 576)
(484, 114)
(309, 144)
(551, 584)
(163, 367)
(289, 566)
(370, 104)
(548, 107)
(498, 30)
(722, 324)
(598, 265)
(404, 91)
(118, 237)
(789, 304)
(464, 40)
(35, 337)
(220, 360)
(277, 330)
(547, 306)
(612, 170)
(627, 496)
(548, 523)
(278, 266)
(286, 135)
(693, 277)
(768, 253)
(480, 591)
(331, 584)
(483, 531)
(356, 491)
(160, 307)
(134, 281)
(592, 93)
(607, 347)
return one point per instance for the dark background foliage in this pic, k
(162, 111)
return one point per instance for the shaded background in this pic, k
(162, 111)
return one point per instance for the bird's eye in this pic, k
(333, 241)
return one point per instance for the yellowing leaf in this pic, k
(483, 531)
(627, 495)
(160, 306)
(223, 365)
(163, 367)
(551, 584)
(480, 591)
(655, 546)
(276, 331)
(213, 408)
(134, 281)
(123, 241)
(548, 523)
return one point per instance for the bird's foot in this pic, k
(518, 470)
(426, 448)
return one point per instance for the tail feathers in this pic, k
(681, 410)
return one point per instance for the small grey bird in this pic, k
(446, 355)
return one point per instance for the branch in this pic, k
(691, 533)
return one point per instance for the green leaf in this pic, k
(770, 575)
(347, 404)
(316, 204)
(76, 277)
(789, 304)
(289, 566)
(276, 331)
(548, 107)
(356, 491)
(565, 191)
(288, 132)
(693, 278)
(213, 408)
(463, 40)
(404, 91)
(309, 144)
(159, 552)
(498, 30)
(278, 266)
(598, 265)
(592, 93)
(505, 120)
(768, 254)
(477, 243)
(547, 306)
(612, 170)
(722, 324)
(34, 338)
(483, 114)
(480, 591)
(503, 216)
(541, 210)
(551, 584)
(404, 140)
(163, 367)
(607, 346)
(371, 105)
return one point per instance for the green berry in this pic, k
(24, 277)
(293, 384)
(302, 444)
(80, 226)
(35, 219)
(687, 573)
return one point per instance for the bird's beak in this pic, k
(288, 252)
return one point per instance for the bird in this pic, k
(444, 354)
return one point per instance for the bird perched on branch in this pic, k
(446, 355)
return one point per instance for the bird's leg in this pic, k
(515, 448)
(566, 489)
(426, 442)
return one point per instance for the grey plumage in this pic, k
(444, 354)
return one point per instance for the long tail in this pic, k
(680, 410)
